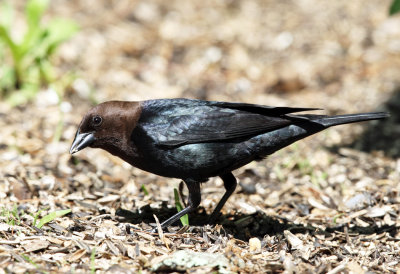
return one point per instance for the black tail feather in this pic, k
(328, 121)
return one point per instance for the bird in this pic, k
(194, 140)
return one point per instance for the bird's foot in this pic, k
(213, 218)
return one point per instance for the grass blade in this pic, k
(178, 205)
(50, 217)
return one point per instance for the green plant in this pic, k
(318, 178)
(304, 166)
(51, 216)
(395, 7)
(92, 263)
(144, 189)
(29, 260)
(334, 220)
(179, 207)
(36, 216)
(13, 216)
(30, 58)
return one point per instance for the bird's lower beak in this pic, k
(81, 141)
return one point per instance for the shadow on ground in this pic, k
(241, 226)
(246, 226)
(383, 135)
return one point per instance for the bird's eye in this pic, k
(97, 120)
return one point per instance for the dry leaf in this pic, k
(293, 240)
(34, 245)
(77, 255)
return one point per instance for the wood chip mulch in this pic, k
(327, 204)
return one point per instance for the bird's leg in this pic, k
(193, 203)
(181, 193)
(230, 184)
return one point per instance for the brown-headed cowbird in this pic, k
(194, 140)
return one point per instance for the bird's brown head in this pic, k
(107, 125)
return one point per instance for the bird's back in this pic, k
(184, 138)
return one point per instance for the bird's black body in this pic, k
(194, 140)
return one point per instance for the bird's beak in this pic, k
(81, 141)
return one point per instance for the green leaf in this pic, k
(30, 42)
(34, 11)
(31, 66)
(144, 189)
(395, 7)
(44, 45)
(6, 37)
(60, 30)
(29, 260)
(7, 79)
(46, 70)
(50, 217)
(92, 263)
(179, 207)
(7, 14)
(36, 216)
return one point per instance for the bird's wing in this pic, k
(260, 109)
(214, 122)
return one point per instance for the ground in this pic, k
(329, 203)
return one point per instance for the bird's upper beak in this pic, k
(81, 141)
